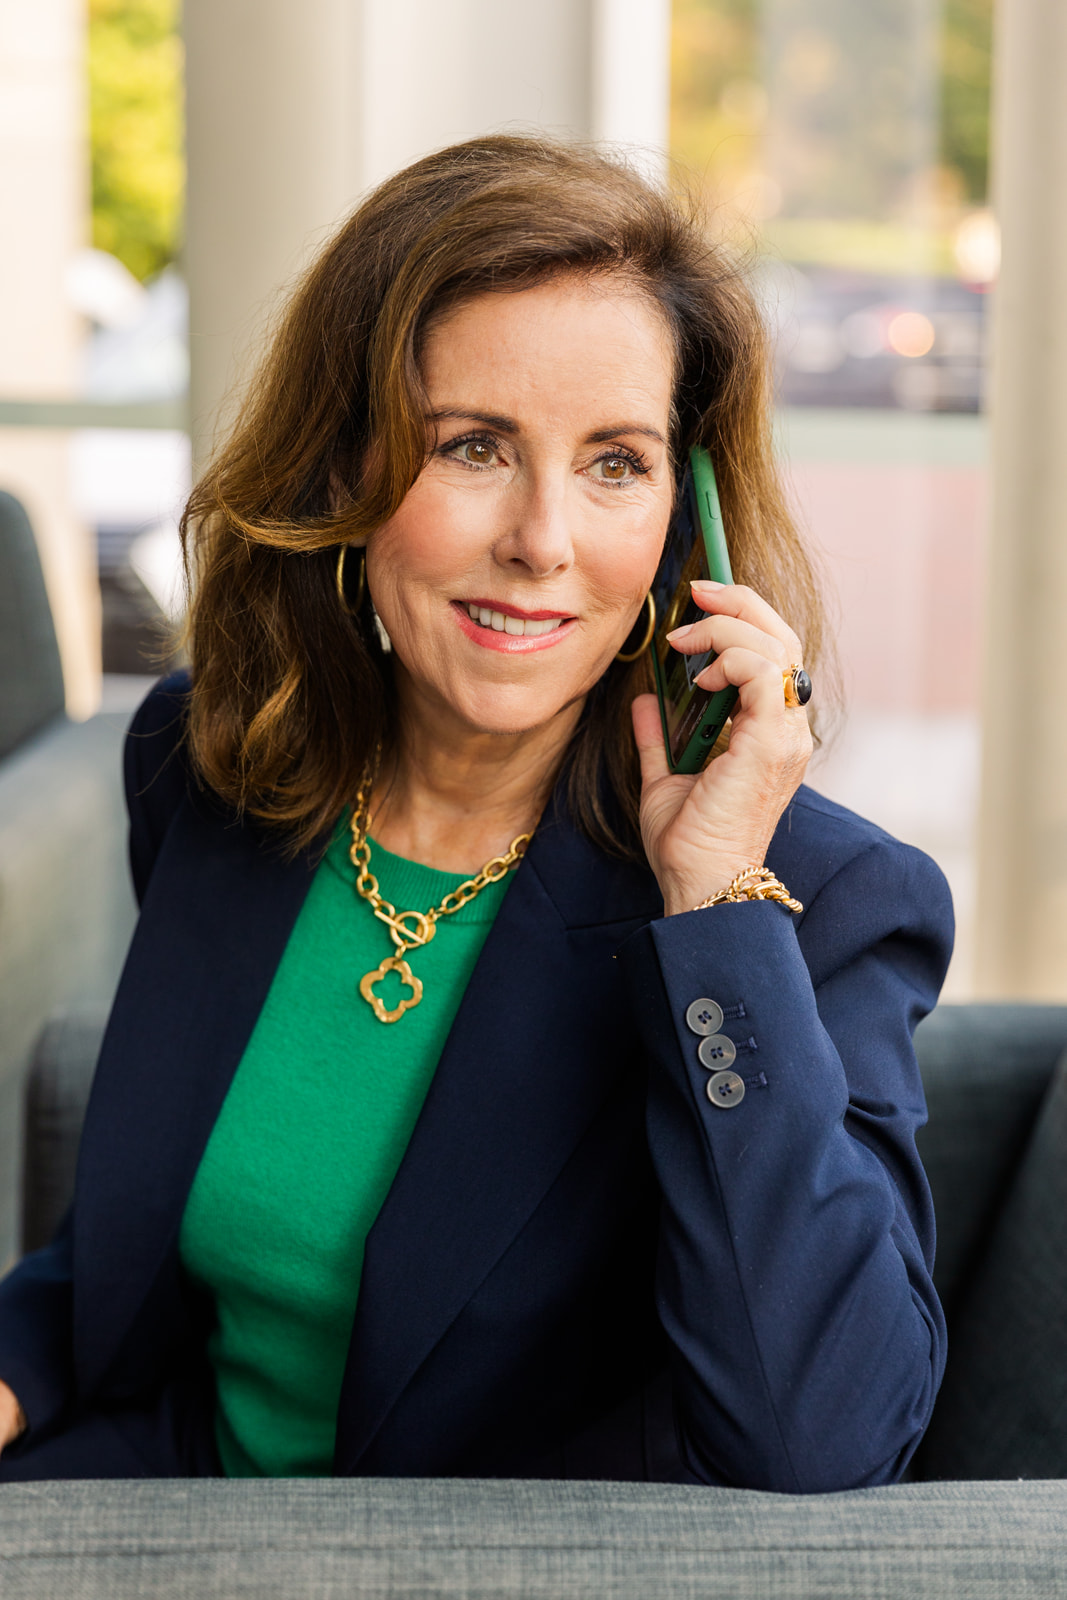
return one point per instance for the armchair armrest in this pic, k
(57, 1092)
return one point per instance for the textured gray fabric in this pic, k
(411, 1538)
(57, 1092)
(1003, 1408)
(986, 1069)
(66, 909)
(31, 678)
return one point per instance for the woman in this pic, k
(382, 1182)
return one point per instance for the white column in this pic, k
(44, 207)
(434, 73)
(274, 159)
(631, 73)
(1022, 904)
(294, 110)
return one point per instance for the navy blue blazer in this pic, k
(584, 1267)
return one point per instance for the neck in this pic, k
(452, 798)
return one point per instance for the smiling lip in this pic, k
(513, 611)
(512, 643)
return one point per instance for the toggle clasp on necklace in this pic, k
(405, 938)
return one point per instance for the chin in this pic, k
(508, 713)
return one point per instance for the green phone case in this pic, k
(691, 720)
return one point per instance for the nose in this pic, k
(538, 535)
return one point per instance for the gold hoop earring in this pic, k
(351, 611)
(650, 629)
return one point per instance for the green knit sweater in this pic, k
(306, 1146)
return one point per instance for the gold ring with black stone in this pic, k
(797, 686)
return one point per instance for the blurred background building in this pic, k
(165, 173)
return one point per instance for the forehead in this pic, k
(569, 340)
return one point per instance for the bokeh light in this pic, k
(977, 248)
(910, 334)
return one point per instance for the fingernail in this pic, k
(705, 583)
(680, 633)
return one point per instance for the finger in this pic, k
(757, 680)
(738, 600)
(719, 633)
(648, 733)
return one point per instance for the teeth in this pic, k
(513, 625)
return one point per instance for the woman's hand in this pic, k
(700, 832)
(12, 1420)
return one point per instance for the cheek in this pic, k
(423, 543)
(620, 570)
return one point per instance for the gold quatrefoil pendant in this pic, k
(400, 967)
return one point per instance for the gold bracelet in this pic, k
(753, 883)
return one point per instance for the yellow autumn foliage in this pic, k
(136, 130)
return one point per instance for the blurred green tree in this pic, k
(718, 102)
(844, 76)
(135, 130)
(966, 65)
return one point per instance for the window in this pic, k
(846, 147)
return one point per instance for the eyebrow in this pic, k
(502, 424)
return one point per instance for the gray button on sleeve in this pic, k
(704, 1016)
(726, 1090)
(716, 1052)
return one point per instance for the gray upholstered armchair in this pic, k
(66, 909)
(996, 1077)
(996, 1151)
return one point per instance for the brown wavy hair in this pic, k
(290, 693)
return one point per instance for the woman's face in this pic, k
(519, 560)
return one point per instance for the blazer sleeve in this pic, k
(36, 1353)
(36, 1296)
(797, 1237)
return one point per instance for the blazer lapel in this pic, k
(527, 1063)
(216, 918)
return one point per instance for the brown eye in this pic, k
(477, 452)
(614, 468)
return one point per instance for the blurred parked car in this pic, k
(130, 483)
(849, 338)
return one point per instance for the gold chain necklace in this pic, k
(410, 929)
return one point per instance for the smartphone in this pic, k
(696, 548)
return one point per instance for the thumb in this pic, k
(648, 734)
